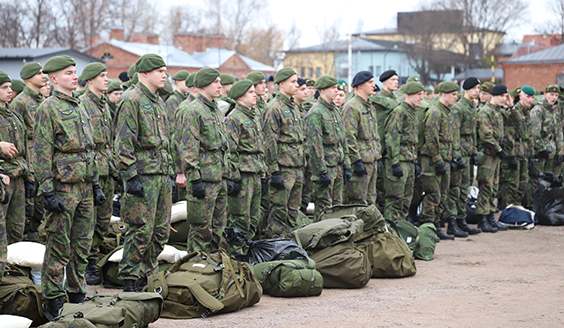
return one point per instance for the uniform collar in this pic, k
(287, 101)
(38, 97)
(182, 96)
(207, 102)
(152, 96)
(6, 111)
(65, 97)
(246, 110)
(97, 100)
(330, 106)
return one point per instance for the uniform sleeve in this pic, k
(126, 137)
(431, 132)
(536, 128)
(351, 120)
(378, 146)
(176, 142)
(233, 132)
(190, 143)
(511, 130)
(314, 127)
(393, 130)
(271, 135)
(43, 149)
(457, 121)
(486, 131)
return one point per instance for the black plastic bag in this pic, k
(549, 200)
(471, 216)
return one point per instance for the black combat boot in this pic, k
(413, 216)
(76, 298)
(494, 223)
(453, 229)
(141, 283)
(485, 225)
(55, 305)
(90, 273)
(129, 286)
(441, 234)
(463, 225)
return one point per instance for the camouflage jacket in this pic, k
(260, 106)
(126, 93)
(464, 114)
(526, 135)
(513, 126)
(12, 129)
(245, 137)
(307, 104)
(171, 105)
(361, 130)
(103, 129)
(546, 128)
(283, 134)
(383, 102)
(436, 137)
(490, 129)
(326, 140)
(401, 134)
(204, 151)
(64, 143)
(26, 104)
(142, 143)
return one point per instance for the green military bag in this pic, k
(327, 233)
(135, 310)
(179, 236)
(114, 237)
(388, 254)
(369, 214)
(406, 230)
(343, 266)
(202, 284)
(108, 271)
(19, 296)
(425, 249)
(289, 278)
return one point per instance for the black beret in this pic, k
(361, 77)
(499, 90)
(301, 81)
(270, 78)
(387, 74)
(376, 88)
(123, 77)
(470, 82)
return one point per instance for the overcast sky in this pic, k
(312, 15)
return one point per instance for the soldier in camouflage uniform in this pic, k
(244, 134)
(327, 146)
(66, 173)
(112, 94)
(363, 141)
(284, 138)
(142, 148)
(94, 102)
(309, 100)
(401, 153)
(485, 96)
(177, 97)
(524, 105)
(224, 103)
(259, 83)
(205, 162)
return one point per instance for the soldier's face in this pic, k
(290, 86)
(551, 97)
(391, 83)
(415, 99)
(301, 94)
(525, 99)
(212, 90)
(249, 99)
(65, 80)
(114, 96)
(100, 82)
(45, 90)
(485, 97)
(430, 96)
(181, 86)
(330, 93)
(310, 91)
(5, 93)
(449, 98)
(261, 88)
(340, 99)
(474, 92)
(38, 80)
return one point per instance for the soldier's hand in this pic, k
(99, 197)
(134, 187)
(5, 179)
(559, 160)
(359, 168)
(181, 180)
(276, 181)
(544, 153)
(417, 170)
(502, 154)
(473, 159)
(8, 149)
(234, 187)
(460, 163)
(531, 165)
(119, 179)
(397, 170)
(324, 179)
(198, 189)
(347, 174)
(380, 166)
(440, 168)
(513, 163)
(29, 187)
(453, 166)
(52, 203)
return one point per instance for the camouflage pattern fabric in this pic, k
(243, 210)
(14, 211)
(285, 204)
(362, 189)
(103, 214)
(436, 188)
(171, 105)
(26, 104)
(546, 128)
(3, 238)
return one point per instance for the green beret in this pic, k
(226, 79)
(58, 63)
(284, 74)
(149, 62)
(205, 77)
(256, 77)
(239, 88)
(413, 87)
(92, 70)
(4, 78)
(486, 87)
(324, 82)
(448, 87)
(181, 75)
(310, 83)
(413, 78)
(341, 87)
(428, 91)
(190, 80)
(552, 88)
(29, 70)
(528, 90)
(131, 71)
(18, 85)
(342, 82)
(113, 86)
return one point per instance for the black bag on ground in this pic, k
(471, 216)
(549, 200)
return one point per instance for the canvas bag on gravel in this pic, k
(328, 232)
(135, 310)
(19, 296)
(369, 214)
(406, 231)
(388, 254)
(108, 271)
(294, 276)
(425, 249)
(342, 266)
(114, 237)
(202, 284)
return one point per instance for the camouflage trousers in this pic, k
(362, 189)
(265, 209)
(454, 202)
(436, 191)
(466, 176)
(15, 210)
(307, 189)
(537, 168)
(243, 210)
(3, 238)
(488, 183)
(285, 203)
(331, 195)
(69, 237)
(207, 217)
(512, 184)
(148, 227)
(551, 166)
(34, 213)
(381, 187)
(398, 191)
(102, 214)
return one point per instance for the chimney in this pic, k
(190, 43)
(117, 33)
(217, 41)
(153, 39)
(138, 38)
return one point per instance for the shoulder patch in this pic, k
(248, 122)
(286, 111)
(148, 106)
(67, 112)
(33, 106)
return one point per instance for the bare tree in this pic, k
(329, 36)
(263, 44)
(554, 26)
(215, 14)
(12, 14)
(293, 37)
(181, 19)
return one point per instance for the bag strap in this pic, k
(226, 258)
(202, 295)
(157, 283)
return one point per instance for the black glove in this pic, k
(29, 189)
(6, 199)
(52, 203)
(173, 185)
(380, 166)
(276, 181)
(134, 187)
(347, 174)
(359, 168)
(99, 197)
(453, 166)
(440, 168)
(513, 163)
(119, 179)
(502, 154)
(473, 159)
(559, 160)
(417, 170)
(460, 163)
(531, 165)
(198, 189)
(234, 187)
(263, 184)
(544, 153)
(324, 179)
(397, 171)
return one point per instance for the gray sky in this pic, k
(311, 15)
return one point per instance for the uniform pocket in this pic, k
(71, 170)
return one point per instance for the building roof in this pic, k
(358, 44)
(380, 31)
(480, 73)
(551, 55)
(30, 53)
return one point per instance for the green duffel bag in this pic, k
(180, 236)
(289, 278)
(369, 214)
(406, 230)
(328, 232)
(108, 271)
(114, 237)
(425, 248)
(19, 296)
(343, 266)
(135, 310)
(389, 255)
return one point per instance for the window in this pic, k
(371, 69)
(318, 71)
(106, 56)
(302, 72)
(378, 71)
(310, 70)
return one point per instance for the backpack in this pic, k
(289, 277)
(135, 310)
(19, 296)
(425, 249)
(389, 255)
(406, 231)
(114, 237)
(369, 214)
(328, 232)
(201, 284)
(343, 266)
